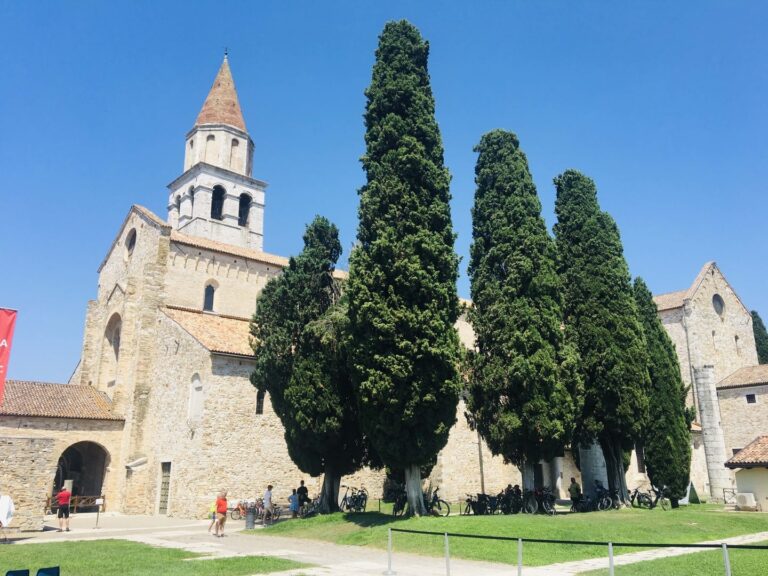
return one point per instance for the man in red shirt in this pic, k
(63, 498)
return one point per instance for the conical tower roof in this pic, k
(221, 106)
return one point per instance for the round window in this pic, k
(718, 304)
(130, 242)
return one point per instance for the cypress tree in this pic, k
(667, 438)
(402, 284)
(522, 389)
(601, 316)
(761, 338)
(300, 332)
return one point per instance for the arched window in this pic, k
(195, 409)
(210, 291)
(245, 208)
(112, 334)
(260, 402)
(178, 204)
(192, 199)
(233, 152)
(209, 148)
(217, 203)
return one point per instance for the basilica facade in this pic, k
(160, 414)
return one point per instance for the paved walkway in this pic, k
(330, 558)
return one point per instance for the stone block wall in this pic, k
(741, 421)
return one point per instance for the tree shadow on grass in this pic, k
(372, 519)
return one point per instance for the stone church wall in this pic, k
(238, 281)
(743, 422)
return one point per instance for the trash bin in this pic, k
(250, 519)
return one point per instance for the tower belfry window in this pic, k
(245, 207)
(233, 152)
(217, 203)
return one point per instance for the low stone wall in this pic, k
(27, 466)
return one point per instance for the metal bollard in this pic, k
(726, 560)
(610, 558)
(389, 571)
(519, 557)
(447, 557)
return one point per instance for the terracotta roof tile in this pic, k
(222, 106)
(746, 376)
(219, 334)
(670, 300)
(753, 455)
(25, 398)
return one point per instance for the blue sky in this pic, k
(662, 104)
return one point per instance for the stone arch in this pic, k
(84, 463)
(217, 202)
(209, 294)
(244, 209)
(110, 351)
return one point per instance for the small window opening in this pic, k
(718, 304)
(208, 299)
(245, 207)
(130, 241)
(233, 152)
(738, 348)
(751, 399)
(217, 203)
(260, 402)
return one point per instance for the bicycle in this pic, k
(436, 506)
(309, 509)
(640, 499)
(400, 503)
(356, 502)
(662, 498)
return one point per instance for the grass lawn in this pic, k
(123, 558)
(743, 562)
(684, 525)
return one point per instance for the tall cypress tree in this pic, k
(667, 438)
(761, 338)
(299, 334)
(601, 315)
(402, 285)
(521, 389)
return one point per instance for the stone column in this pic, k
(712, 431)
(592, 465)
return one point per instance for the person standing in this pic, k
(268, 504)
(575, 492)
(294, 502)
(64, 497)
(221, 514)
(6, 512)
(303, 494)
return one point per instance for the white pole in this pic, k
(447, 557)
(519, 557)
(726, 560)
(389, 571)
(610, 558)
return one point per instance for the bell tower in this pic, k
(216, 197)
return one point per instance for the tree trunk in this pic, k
(528, 474)
(614, 466)
(413, 490)
(329, 498)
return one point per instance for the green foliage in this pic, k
(601, 317)
(761, 338)
(523, 377)
(667, 440)
(402, 285)
(300, 332)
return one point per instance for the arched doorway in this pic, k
(85, 463)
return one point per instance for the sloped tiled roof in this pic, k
(746, 376)
(25, 398)
(753, 455)
(219, 334)
(222, 106)
(670, 300)
(223, 248)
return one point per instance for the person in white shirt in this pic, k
(6, 512)
(268, 504)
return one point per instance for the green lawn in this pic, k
(743, 562)
(684, 525)
(123, 558)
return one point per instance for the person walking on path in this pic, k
(268, 504)
(64, 497)
(212, 514)
(6, 514)
(221, 514)
(294, 501)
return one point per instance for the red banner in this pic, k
(7, 323)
